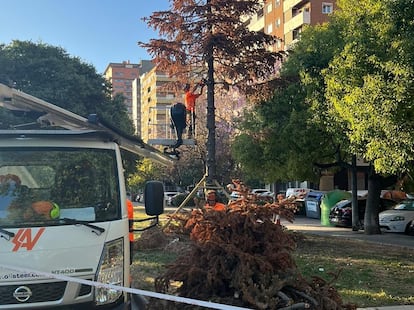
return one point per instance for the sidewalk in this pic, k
(389, 308)
(313, 226)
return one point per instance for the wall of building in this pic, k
(274, 21)
(121, 76)
(155, 100)
(124, 78)
(285, 19)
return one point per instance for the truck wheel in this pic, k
(138, 302)
(410, 229)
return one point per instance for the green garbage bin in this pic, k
(328, 201)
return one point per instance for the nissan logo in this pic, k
(22, 293)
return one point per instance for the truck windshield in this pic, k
(41, 186)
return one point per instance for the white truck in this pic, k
(63, 213)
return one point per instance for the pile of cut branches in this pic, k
(243, 257)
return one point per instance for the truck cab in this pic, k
(64, 226)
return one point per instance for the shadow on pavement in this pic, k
(313, 226)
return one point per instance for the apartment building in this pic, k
(156, 98)
(124, 78)
(286, 19)
(121, 75)
(255, 22)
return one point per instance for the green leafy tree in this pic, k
(50, 73)
(146, 170)
(356, 77)
(290, 136)
(370, 90)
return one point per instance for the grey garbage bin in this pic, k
(313, 204)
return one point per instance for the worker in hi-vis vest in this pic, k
(130, 207)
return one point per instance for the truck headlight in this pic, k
(110, 271)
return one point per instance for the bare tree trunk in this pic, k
(371, 220)
(355, 211)
(211, 126)
(211, 118)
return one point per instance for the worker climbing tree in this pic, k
(190, 101)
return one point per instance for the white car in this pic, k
(399, 218)
(235, 195)
(297, 192)
(168, 197)
(262, 192)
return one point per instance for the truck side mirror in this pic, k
(154, 198)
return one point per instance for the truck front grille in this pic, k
(41, 292)
(85, 290)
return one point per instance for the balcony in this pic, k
(297, 21)
(289, 4)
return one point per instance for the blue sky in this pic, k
(96, 31)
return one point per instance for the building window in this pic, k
(269, 8)
(269, 28)
(327, 8)
(277, 3)
(279, 43)
(277, 23)
(296, 33)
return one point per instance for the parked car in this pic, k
(297, 192)
(177, 200)
(235, 195)
(168, 197)
(138, 197)
(341, 212)
(411, 229)
(264, 194)
(398, 219)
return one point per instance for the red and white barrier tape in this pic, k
(190, 301)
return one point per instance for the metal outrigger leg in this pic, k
(200, 184)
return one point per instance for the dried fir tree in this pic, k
(210, 40)
(243, 257)
(194, 32)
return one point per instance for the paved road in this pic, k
(313, 226)
(308, 225)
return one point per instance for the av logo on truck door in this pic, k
(23, 238)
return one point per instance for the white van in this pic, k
(63, 217)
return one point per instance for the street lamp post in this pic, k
(211, 122)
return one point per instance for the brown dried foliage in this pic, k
(193, 31)
(243, 257)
